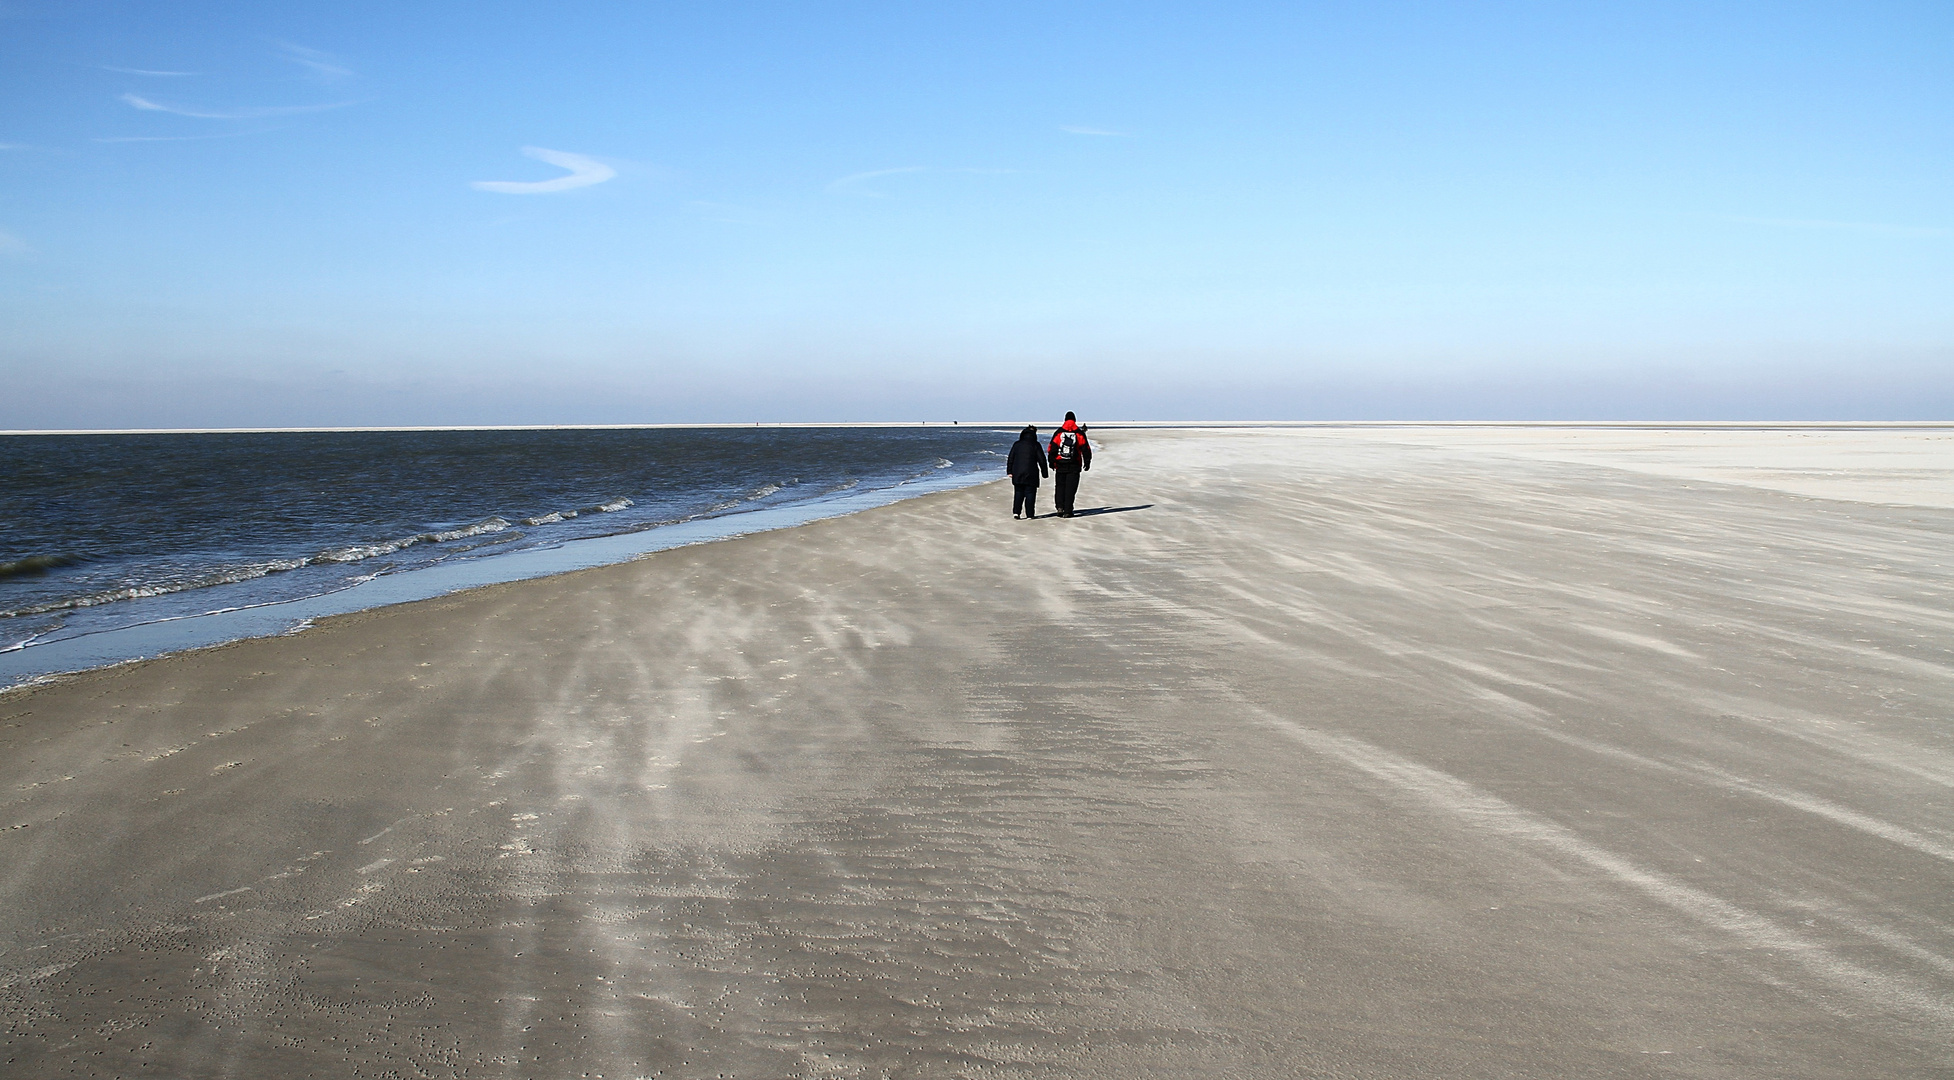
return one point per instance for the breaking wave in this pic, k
(227, 576)
(232, 575)
(357, 552)
(555, 516)
(35, 565)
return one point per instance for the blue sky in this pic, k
(353, 213)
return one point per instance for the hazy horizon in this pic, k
(227, 215)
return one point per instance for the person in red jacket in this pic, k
(1069, 455)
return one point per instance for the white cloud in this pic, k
(584, 172)
(260, 113)
(1076, 130)
(144, 71)
(320, 63)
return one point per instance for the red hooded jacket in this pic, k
(1081, 456)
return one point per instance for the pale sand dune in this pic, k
(1342, 754)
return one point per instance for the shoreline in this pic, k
(29, 665)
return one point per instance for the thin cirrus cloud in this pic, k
(261, 113)
(146, 71)
(584, 172)
(320, 63)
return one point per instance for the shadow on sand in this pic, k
(1097, 510)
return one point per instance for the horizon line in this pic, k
(1672, 425)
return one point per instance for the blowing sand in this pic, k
(1354, 754)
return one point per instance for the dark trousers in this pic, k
(1067, 481)
(1024, 497)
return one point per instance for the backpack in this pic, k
(1065, 447)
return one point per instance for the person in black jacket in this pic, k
(1025, 465)
(1070, 455)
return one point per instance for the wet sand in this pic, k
(1318, 753)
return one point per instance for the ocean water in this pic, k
(102, 536)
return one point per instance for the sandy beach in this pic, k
(1406, 753)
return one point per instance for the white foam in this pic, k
(360, 552)
(227, 576)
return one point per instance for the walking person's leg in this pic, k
(1068, 485)
(1031, 500)
(1017, 499)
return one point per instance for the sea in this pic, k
(115, 547)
